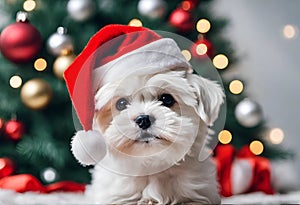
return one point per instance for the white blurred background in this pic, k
(266, 39)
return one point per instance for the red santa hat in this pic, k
(114, 52)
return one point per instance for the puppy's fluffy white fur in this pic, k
(166, 168)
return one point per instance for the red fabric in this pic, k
(68, 186)
(261, 171)
(7, 167)
(26, 182)
(21, 183)
(78, 75)
(224, 158)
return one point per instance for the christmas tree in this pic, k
(35, 110)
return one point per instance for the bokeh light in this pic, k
(276, 136)
(135, 22)
(187, 54)
(236, 87)
(256, 147)
(289, 31)
(220, 61)
(201, 49)
(203, 26)
(225, 137)
(186, 5)
(40, 64)
(15, 81)
(49, 174)
(29, 5)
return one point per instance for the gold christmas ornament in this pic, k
(36, 94)
(62, 63)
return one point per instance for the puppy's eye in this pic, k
(121, 104)
(167, 100)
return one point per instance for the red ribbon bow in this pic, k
(261, 180)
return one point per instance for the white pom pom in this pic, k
(88, 147)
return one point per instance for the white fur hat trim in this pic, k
(88, 147)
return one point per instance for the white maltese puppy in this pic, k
(153, 115)
(160, 121)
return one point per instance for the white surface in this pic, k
(260, 198)
(269, 63)
(8, 197)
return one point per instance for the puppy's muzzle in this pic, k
(144, 121)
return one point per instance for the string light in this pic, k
(225, 137)
(276, 136)
(15, 81)
(203, 26)
(29, 5)
(220, 61)
(256, 147)
(236, 87)
(40, 64)
(289, 31)
(201, 49)
(187, 54)
(135, 22)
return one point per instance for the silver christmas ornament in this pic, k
(59, 42)
(152, 8)
(81, 10)
(248, 113)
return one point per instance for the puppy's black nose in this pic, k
(143, 121)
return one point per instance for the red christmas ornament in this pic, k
(202, 49)
(182, 20)
(14, 129)
(6, 167)
(20, 42)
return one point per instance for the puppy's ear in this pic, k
(210, 97)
